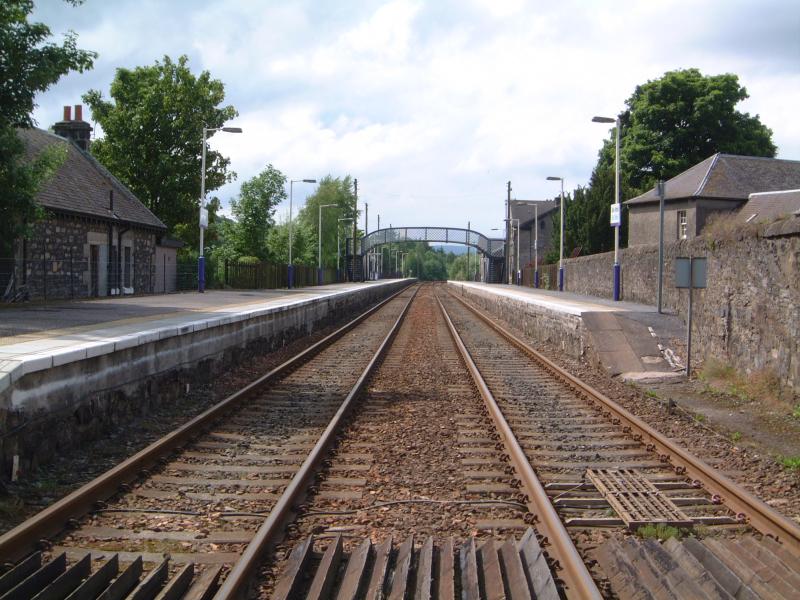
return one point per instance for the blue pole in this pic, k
(616, 280)
(561, 279)
(319, 276)
(536, 279)
(201, 273)
(290, 274)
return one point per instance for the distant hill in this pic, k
(457, 249)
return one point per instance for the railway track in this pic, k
(193, 512)
(608, 474)
(420, 452)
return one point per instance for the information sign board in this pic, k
(616, 215)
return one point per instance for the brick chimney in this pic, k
(77, 130)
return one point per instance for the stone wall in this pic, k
(748, 316)
(563, 330)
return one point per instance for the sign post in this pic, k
(201, 261)
(660, 187)
(690, 273)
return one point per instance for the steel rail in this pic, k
(20, 540)
(235, 585)
(578, 581)
(759, 514)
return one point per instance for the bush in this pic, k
(249, 260)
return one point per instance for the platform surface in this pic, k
(631, 340)
(37, 336)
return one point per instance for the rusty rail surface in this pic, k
(578, 581)
(235, 585)
(21, 540)
(759, 515)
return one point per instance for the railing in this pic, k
(43, 279)
(270, 276)
(548, 277)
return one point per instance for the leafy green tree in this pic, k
(254, 211)
(153, 137)
(670, 124)
(340, 193)
(29, 64)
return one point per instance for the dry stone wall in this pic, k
(748, 316)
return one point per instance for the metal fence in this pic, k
(64, 279)
(271, 276)
(548, 277)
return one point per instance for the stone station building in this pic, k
(97, 238)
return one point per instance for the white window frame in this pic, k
(683, 225)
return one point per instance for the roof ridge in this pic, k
(748, 157)
(703, 182)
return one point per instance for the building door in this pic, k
(94, 266)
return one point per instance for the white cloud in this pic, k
(435, 105)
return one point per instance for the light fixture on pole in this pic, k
(561, 236)
(201, 260)
(616, 212)
(338, 244)
(319, 242)
(290, 266)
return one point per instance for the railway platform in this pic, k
(67, 363)
(629, 340)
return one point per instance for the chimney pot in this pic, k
(79, 112)
(68, 113)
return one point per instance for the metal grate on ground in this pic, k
(636, 500)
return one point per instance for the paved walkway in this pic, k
(33, 337)
(631, 340)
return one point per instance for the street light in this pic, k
(319, 243)
(290, 269)
(338, 244)
(561, 241)
(201, 260)
(616, 201)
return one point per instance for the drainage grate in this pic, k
(635, 499)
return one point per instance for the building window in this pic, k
(683, 225)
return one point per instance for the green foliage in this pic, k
(659, 532)
(249, 260)
(30, 64)
(796, 411)
(670, 124)
(331, 190)
(153, 137)
(736, 436)
(791, 462)
(254, 210)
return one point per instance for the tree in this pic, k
(340, 193)
(153, 137)
(669, 125)
(254, 212)
(28, 64)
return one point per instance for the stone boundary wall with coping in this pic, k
(54, 409)
(749, 315)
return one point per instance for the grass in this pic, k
(651, 393)
(790, 462)
(736, 436)
(760, 385)
(796, 411)
(659, 532)
(699, 418)
(11, 508)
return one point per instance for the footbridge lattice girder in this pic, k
(491, 247)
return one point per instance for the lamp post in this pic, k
(319, 243)
(617, 269)
(201, 260)
(536, 246)
(338, 244)
(561, 236)
(290, 269)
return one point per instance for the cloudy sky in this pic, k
(434, 105)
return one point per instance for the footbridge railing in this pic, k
(491, 247)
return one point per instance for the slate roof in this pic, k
(770, 206)
(728, 177)
(524, 210)
(81, 185)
